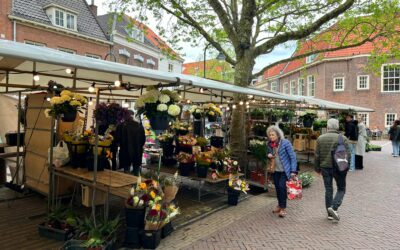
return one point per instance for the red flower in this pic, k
(153, 213)
(163, 214)
(130, 201)
(145, 198)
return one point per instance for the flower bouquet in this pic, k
(229, 166)
(186, 142)
(159, 106)
(212, 112)
(181, 128)
(170, 187)
(203, 162)
(186, 163)
(235, 187)
(197, 112)
(66, 105)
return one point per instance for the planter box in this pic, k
(313, 144)
(299, 144)
(151, 239)
(132, 237)
(77, 245)
(53, 233)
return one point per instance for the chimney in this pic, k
(93, 8)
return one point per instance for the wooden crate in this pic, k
(299, 144)
(312, 145)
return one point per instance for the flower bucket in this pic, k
(170, 193)
(134, 217)
(132, 237)
(150, 226)
(166, 230)
(185, 168)
(159, 123)
(202, 171)
(212, 118)
(151, 239)
(69, 116)
(102, 162)
(197, 127)
(78, 154)
(168, 148)
(233, 196)
(217, 141)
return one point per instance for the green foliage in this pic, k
(100, 233)
(306, 179)
(257, 114)
(259, 150)
(318, 124)
(202, 141)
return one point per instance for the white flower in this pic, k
(235, 163)
(225, 163)
(198, 110)
(151, 96)
(174, 110)
(132, 191)
(75, 103)
(162, 107)
(164, 98)
(47, 113)
(140, 203)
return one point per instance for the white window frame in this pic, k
(34, 43)
(65, 15)
(285, 89)
(65, 50)
(93, 56)
(73, 23)
(309, 83)
(136, 33)
(300, 87)
(391, 122)
(359, 82)
(293, 87)
(365, 117)
(310, 58)
(383, 77)
(170, 67)
(274, 86)
(335, 89)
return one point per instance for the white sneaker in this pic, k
(330, 217)
(333, 213)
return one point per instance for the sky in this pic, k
(192, 54)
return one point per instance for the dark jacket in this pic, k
(326, 143)
(351, 130)
(286, 156)
(131, 138)
(394, 133)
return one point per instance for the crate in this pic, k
(53, 233)
(312, 145)
(301, 136)
(299, 144)
(87, 196)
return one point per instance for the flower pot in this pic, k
(102, 162)
(308, 122)
(166, 230)
(217, 141)
(54, 233)
(134, 217)
(69, 116)
(212, 118)
(132, 237)
(185, 168)
(233, 196)
(202, 171)
(159, 123)
(78, 154)
(197, 127)
(273, 118)
(285, 118)
(168, 148)
(197, 116)
(151, 239)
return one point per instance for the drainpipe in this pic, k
(14, 31)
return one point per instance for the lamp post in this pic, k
(220, 57)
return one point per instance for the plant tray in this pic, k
(77, 245)
(53, 233)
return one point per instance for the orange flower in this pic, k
(109, 154)
(143, 185)
(152, 194)
(157, 207)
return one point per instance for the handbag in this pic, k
(294, 188)
(271, 162)
(60, 154)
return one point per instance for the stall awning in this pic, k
(22, 61)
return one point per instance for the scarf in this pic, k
(273, 144)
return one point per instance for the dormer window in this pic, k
(310, 59)
(136, 34)
(62, 17)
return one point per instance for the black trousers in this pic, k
(359, 162)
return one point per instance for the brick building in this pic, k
(68, 26)
(341, 76)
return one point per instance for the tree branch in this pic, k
(294, 35)
(368, 39)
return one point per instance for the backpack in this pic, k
(340, 157)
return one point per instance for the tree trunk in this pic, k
(243, 71)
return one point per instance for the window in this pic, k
(311, 85)
(274, 86)
(391, 78)
(136, 34)
(62, 18)
(365, 118)
(70, 21)
(338, 84)
(123, 59)
(59, 21)
(363, 82)
(286, 88)
(170, 67)
(93, 56)
(310, 59)
(389, 119)
(293, 87)
(69, 51)
(301, 86)
(35, 43)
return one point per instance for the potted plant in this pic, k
(273, 115)
(159, 107)
(259, 150)
(287, 115)
(257, 114)
(59, 225)
(202, 142)
(77, 146)
(308, 118)
(181, 128)
(103, 151)
(102, 235)
(203, 162)
(186, 142)
(319, 124)
(235, 187)
(186, 163)
(66, 106)
(212, 112)
(166, 141)
(260, 129)
(197, 112)
(107, 114)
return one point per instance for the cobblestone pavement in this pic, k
(370, 217)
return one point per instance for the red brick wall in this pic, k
(132, 52)
(57, 40)
(5, 24)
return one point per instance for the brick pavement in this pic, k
(370, 217)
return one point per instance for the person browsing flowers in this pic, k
(282, 156)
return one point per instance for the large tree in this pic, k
(246, 29)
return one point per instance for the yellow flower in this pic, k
(152, 194)
(66, 98)
(143, 185)
(47, 113)
(67, 92)
(211, 113)
(157, 207)
(75, 103)
(56, 100)
(230, 183)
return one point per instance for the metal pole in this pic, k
(18, 134)
(50, 168)
(95, 159)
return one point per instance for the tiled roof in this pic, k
(33, 10)
(194, 67)
(274, 71)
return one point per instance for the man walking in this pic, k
(324, 164)
(351, 132)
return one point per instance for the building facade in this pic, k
(342, 76)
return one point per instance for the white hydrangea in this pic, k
(139, 103)
(174, 110)
(164, 98)
(162, 107)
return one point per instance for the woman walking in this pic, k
(394, 136)
(281, 155)
(361, 143)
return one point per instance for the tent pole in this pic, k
(51, 179)
(95, 159)
(18, 133)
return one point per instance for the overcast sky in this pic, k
(195, 54)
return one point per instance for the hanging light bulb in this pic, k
(250, 96)
(247, 103)
(241, 103)
(227, 108)
(229, 101)
(48, 99)
(117, 83)
(68, 71)
(187, 101)
(36, 77)
(91, 88)
(254, 101)
(90, 102)
(263, 99)
(125, 105)
(220, 106)
(233, 106)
